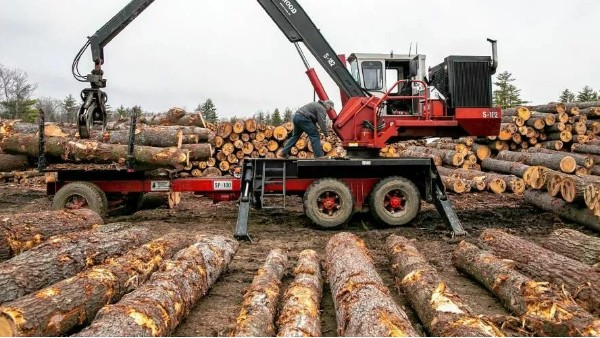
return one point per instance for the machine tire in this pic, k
(335, 192)
(133, 202)
(410, 201)
(90, 195)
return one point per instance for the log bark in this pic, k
(567, 211)
(560, 162)
(581, 160)
(13, 162)
(545, 265)
(21, 232)
(416, 154)
(156, 308)
(95, 152)
(456, 185)
(165, 119)
(450, 157)
(550, 108)
(575, 245)
(585, 149)
(300, 314)
(63, 256)
(256, 317)
(441, 311)
(61, 307)
(494, 182)
(363, 304)
(541, 309)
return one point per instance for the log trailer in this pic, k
(386, 98)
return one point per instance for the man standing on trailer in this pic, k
(306, 120)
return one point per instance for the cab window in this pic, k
(354, 71)
(373, 75)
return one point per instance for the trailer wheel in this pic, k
(79, 195)
(328, 203)
(395, 201)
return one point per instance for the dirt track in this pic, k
(215, 314)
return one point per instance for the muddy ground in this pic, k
(215, 314)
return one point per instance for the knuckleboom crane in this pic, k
(386, 98)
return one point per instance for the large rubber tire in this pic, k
(332, 188)
(410, 201)
(95, 199)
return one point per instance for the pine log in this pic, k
(13, 162)
(573, 187)
(87, 151)
(549, 118)
(300, 314)
(552, 145)
(251, 125)
(63, 256)
(564, 136)
(550, 108)
(582, 160)
(482, 151)
(198, 152)
(156, 308)
(144, 136)
(575, 245)
(280, 133)
(454, 184)
(59, 308)
(585, 148)
(591, 111)
(441, 311)
(567, 211)
(256, 317)
(561, 162)
(224, 130)
(239, 127)
(545, 265)
(169, 118)
(450, 157)
(522, 112)
(363, 304)
(541, 309)
(21, 232)
(536, 123)
(416, 154)
(494, 182)
(556, 128)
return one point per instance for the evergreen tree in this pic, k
(566, 96)
(507, 95)
(287, 116)
(587, 94)
(121, 112)
(70, 109)
(209, 110)
(233, 119)
(276, 118)
(15, 95)
(260, 117)
(268, 119)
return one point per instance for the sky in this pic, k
(180, 52)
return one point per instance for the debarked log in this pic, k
(21, 232)
(156, 308)
(363, 303)
(544, 265)
(441, 311)
(300, 315)
(63, 256)
(61, 307)
(541, 309)
(257, 315)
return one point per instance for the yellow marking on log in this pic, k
(144, 321)
(48, 293)
(388, 320)
(441, 302)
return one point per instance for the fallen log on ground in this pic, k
(21, 232)
(575, 245)
(63, 256)
(300, 314)
(545, 265)
(541, 309)
(95, 152)
(257, 315)
(563, 209)
(363, 304)
(61, 307)
(13, 162)
(156, 308)
(441, 311)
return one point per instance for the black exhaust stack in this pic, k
(494, 65)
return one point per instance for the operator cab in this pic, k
(377, 73)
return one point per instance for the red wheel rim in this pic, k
(394, 202)
(329, 203)
(76, 202)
